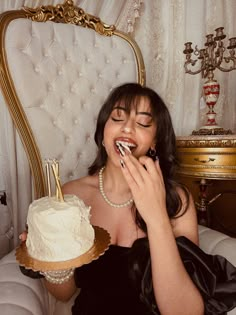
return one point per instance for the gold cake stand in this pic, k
(101, 243)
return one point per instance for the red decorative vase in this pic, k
(211, 90)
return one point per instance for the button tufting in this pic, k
(46, 54)
(50, 87)
(36, 69)
(64, 106)
(88, 137)
(59, 71)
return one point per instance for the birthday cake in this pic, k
(59, 230)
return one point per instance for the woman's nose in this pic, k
(127, 129)
(128, 126)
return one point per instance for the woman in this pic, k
(133, 194)
(138, 198)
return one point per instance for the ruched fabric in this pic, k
(119, 282)
(214, 276)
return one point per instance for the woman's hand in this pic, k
(146, 183)
(23, 236)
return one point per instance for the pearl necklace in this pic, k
(115, 205)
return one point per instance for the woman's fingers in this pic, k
(142, 170)
(153, 168)
(23, 236)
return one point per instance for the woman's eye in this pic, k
(144, 125)
(117, 119)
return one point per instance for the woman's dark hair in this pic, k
(129, 95)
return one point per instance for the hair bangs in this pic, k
(131, 101)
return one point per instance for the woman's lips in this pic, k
(125, 145)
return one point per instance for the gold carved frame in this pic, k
(64, 13)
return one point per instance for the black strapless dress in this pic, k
(108, 287)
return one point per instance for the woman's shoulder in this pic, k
(184, 193)
(77, 186)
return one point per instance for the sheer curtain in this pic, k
(161, 28)
(161, 32)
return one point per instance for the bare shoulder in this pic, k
(81, 187)
(186, 222)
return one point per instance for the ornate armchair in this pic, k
(57, 66)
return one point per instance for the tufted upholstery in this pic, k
(67, 84)
(20, 295)
(61, 74)
(216, 243)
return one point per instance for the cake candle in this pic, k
(55, 169)
(48, 179)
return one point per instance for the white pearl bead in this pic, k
(115, 205)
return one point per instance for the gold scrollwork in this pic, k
(220, 143)
(221, 167)
(68, 13)
(204, 161)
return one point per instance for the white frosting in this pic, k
(59, 231)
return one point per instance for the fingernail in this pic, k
(127, 149)
(122, 152)
(122, 163)
(20, 236)
(157, 158)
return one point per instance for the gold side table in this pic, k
(204, 158)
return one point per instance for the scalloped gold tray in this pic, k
(101, 244)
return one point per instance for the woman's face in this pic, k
(137, 129)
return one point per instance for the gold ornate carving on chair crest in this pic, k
(68, 13)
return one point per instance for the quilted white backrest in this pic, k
(61, 75)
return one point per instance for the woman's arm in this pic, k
(174, 291)
(62, 292)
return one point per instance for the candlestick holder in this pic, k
(211, 58)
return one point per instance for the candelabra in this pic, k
(210, 58)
